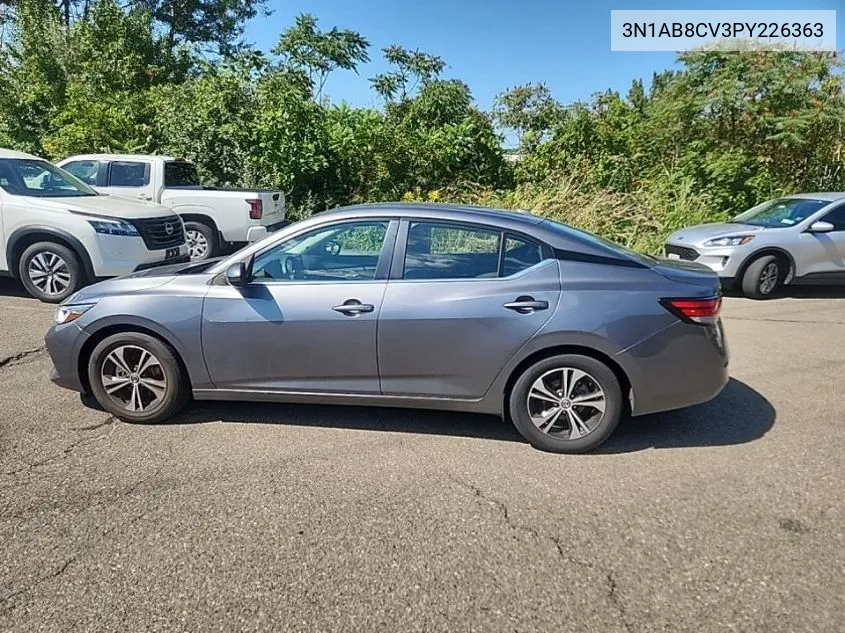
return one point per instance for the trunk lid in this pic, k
(688, 273)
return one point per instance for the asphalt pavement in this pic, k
(238, 517)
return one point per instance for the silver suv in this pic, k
(797, 239)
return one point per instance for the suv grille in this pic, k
(159, 233)
(689, 254)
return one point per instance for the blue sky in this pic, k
(496, 44)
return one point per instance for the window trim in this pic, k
(147, 170)
(382, 267)
(397, 268)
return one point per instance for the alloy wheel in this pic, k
(566, 403)
(197, 244)
(133, 378)
(49, 273)
(769, 278)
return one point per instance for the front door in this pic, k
(460, 308)
(822, 255)
(307, 321)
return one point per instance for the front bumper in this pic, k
(64, 344)
(116, 255)
(725, 261)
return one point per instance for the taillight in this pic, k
(701, 311)
(256, 209)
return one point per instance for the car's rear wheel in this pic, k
(763, 277)
(202, 241)
(566, 404)
(50, 272)
(137, 378)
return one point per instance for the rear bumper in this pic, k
(255, 233)
(64, 343)
(678, 367)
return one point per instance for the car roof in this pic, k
(10, 153)
(120, 157)
(827, 196)
(437, 211)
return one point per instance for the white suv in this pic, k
(58, 233)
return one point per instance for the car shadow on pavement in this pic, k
(736, 416)
(12, 288)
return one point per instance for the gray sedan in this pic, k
(799, 239)
(436, 306)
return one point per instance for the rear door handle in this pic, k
(353, 307)
(527, 305)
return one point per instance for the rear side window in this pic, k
(442, 251)
(519, 255)
(129, 174)
(180, 174)
(85, 170)
(836, 218)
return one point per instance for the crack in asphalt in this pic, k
(767, 320)
(6, 607)
(21, 357)
(610, 577)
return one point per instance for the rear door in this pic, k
(130, 179)
(461, 301)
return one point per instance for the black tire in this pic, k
(756, 280)
(559, 441)
(208, 234)
(45, 266)
(176, 391)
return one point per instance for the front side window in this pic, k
(129, 174)
(35, 177)
(85, 170)
(443, 251)
(836, 218)
(340, 252)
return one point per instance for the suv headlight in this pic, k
(730, 240)
(114, 227)
(72, 311)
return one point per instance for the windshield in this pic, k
(642, 258)
(35, 177)
(780, 213)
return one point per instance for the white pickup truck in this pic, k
(214, 218)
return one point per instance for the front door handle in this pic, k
(352, 307)
(527, 305)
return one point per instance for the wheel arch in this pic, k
(556, 350)
(769, 250)
(119, 328)
(21, 238)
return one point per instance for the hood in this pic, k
(112, 206)
(696, 234)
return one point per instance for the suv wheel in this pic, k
(137, 378)
(763, 277)
(50, 272)
(202, 242)
(566, 404)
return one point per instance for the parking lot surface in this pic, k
(238, 517)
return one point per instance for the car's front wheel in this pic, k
(50, 272)
(566, 404)
(763, 277)
(137, 378)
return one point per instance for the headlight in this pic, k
(113, 227)
(730, 240)
(71, 312)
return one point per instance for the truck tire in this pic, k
(763, 277)
(202, 241)
(50, 271)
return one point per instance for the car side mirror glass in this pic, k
(820, 227)
(236, 275)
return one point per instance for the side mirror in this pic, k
(236, 275)
(820, 227)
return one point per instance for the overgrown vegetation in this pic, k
(704, 142)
